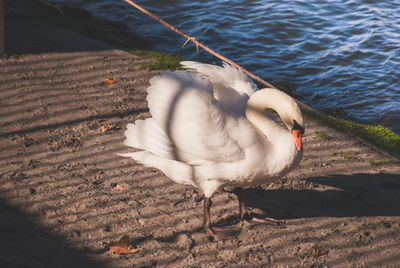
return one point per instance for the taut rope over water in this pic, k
(255, 77)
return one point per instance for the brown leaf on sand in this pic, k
(105, 128)
(317, 252)
(122, 246)
(109, 81)
(118, 187)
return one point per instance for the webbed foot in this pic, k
(222, 232)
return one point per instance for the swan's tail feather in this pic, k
(177, 171)
(147, 135)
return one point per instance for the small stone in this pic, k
(184, 241)
(272, 259)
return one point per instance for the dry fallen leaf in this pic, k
(317, 251)
(122, 246)
(105, 128)
(109, 81)
(118, 187)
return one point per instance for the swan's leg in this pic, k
(226, 232)
(246, 216)
(242, 207)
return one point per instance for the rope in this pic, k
(191, 39)
(256, 78)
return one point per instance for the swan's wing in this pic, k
(232, 88)
(183, 106)
(157, 150)
(226, 76)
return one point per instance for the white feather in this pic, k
(232, 88)
(147, 135)
(183, 106)
(198, 133)
(177, 171)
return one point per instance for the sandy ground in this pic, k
(58, 170)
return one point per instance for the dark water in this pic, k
(340, 55)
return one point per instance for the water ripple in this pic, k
(340, 54)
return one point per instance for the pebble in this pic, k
(184, 241)
(141, 221)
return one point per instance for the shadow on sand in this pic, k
(351, 196)
(25, 243)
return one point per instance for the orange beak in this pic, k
(297, 139)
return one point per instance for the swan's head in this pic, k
(297, 131)
(293, 119)
(285, 106)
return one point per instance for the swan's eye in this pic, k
(297, 127)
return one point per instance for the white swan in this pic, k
(209, 129)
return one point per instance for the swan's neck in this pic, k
(280, 145)
(273, 132)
